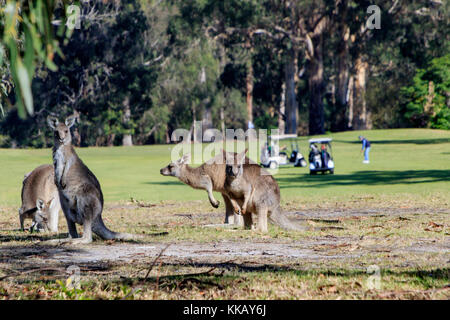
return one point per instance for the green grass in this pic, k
(404, 162)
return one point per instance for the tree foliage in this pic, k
(427, 100)
(27, 38)
(137, 70)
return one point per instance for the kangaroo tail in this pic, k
(103, 232)
(278, 218)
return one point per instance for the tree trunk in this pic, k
(207, 122)
(194, 127)
(281, 114)
(127, 139)
(222, 121)
(76, 138)
(349, 113)
(291, 97)
(249, 83)
(315, 82)
(339, 122)
(167, 136)
(361, 116)
(110, 139)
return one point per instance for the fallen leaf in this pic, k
(328, 288)
(434, 225)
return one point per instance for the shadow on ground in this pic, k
(166, 183)
(364, 178)
(412, 141)
(221, 280)
(31, 237)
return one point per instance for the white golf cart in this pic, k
(272, 157)
(320, 159)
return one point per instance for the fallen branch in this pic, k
(148, 272)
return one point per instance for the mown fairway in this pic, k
(392, 213)
(411, 162)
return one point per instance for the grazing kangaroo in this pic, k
(79, 190)
(40, 199)
(257, 191)
(39, 214)
(210, 176)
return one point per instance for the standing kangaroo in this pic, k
(40, 199)
(79, 190)
(258, 192)
(210, 176)
(234, 184)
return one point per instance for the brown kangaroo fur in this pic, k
(258, 192)
(235, 187)
(210, 176)
(79, 190)
(40, 199)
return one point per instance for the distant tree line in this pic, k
(137, 70)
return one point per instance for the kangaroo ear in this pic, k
(70, 121)
(241, 156)
(51, 203)
(186, 158)
(40, 204)
(52, 122)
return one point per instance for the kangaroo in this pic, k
(234, 185)
(79, 190)
(39, 214)
(258, 192)
(210, 176)
(40, 199)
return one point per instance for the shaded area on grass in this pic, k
(166, 183)
(31, 237)
(364, 178)
(411, 141)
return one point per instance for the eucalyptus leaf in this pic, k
(25, 86)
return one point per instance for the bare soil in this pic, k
(264, 250)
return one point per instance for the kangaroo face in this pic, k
(43, 212)
(61, 131)
(174, 168)
(234, 164)
(234, 170)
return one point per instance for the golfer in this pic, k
(365, 148)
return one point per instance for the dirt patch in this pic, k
(317, 249)
(320, 247)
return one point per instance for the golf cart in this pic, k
(320, 160)
(272, 157)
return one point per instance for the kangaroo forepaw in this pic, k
(215, 204)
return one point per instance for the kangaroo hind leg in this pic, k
(262, 219)
(208, 185)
